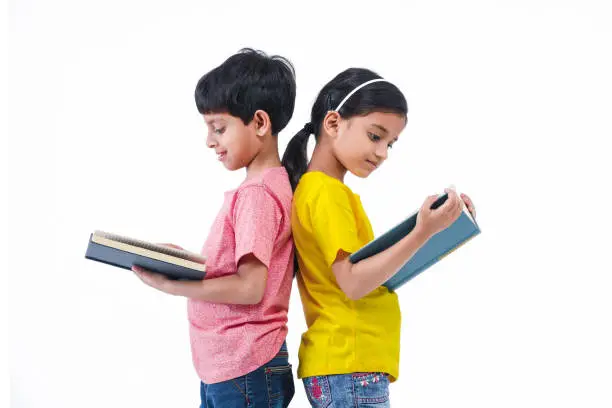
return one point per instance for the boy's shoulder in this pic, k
(275, 181)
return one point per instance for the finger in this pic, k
(472, 210)
(429, 202)
(459, 209)
(170, 245)
(470, 204)
(455, 212)
(140, 276)
(451, 202)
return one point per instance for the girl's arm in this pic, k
(246, 287)
(358, 280)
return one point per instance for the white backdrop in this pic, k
(510, 102)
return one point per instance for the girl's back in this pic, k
(343, 335)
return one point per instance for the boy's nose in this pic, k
(210, 141)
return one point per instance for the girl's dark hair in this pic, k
(376, 97)
(248, 81)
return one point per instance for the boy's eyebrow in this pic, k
(214, 120)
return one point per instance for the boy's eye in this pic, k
(219, 131)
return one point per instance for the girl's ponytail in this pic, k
(295, 158)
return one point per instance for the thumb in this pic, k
(170, 245)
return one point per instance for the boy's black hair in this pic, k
(246, 82)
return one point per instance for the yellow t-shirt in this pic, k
(343, 336)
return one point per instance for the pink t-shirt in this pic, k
(228, 341)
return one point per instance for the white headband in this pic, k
(356, 89)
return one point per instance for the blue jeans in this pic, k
(358, 390)
(269, 386)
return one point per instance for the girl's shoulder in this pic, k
(317, 181)
(317, 187)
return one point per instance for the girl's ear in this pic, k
(331, 123)
(262, 123)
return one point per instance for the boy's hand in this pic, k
(430, 222)
(155, 280)
(470, 205)
(172, 246)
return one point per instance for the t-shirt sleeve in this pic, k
(334, 223)
(257, 218)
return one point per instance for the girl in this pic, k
(350, 352)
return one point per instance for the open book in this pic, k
(125, 252)
(438, 246)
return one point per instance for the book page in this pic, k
(178, 253)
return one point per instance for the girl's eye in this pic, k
(390, 145)
(373, 137)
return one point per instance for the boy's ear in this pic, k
(262, 123)
(331, 123)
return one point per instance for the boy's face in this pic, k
(235, 143)
(362, 143)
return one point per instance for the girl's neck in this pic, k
(323, 160)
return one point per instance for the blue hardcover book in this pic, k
(435, 249)
(124, 252)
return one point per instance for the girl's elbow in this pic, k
(354, 294)
(350, 290)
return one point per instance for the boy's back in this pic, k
(227, 340)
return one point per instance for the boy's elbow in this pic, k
(254, 298)
(253, 293)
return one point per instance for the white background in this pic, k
(510, 101)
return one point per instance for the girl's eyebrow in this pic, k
(382, 128)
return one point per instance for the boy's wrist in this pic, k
(169, 287)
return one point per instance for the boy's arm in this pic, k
(246, 287)
(256, 221)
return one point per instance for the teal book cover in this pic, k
(438, 246)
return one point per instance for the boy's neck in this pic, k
(268, 157)
(323, 160)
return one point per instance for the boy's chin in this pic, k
(233, 168)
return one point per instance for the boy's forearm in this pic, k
(230, 289)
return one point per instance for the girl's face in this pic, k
(362, 143)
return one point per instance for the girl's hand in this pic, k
(470, 205)
(155, 280)
(430, 222)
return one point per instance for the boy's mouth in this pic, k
(221, 155)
